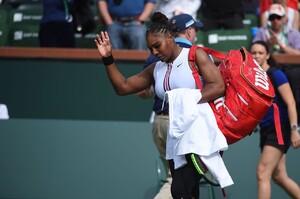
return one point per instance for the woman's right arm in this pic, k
(103, 9)
(133, 84)
(286, 93)
(122, 85)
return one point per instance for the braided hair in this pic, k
(159, 24)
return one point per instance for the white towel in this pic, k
(193, 129)
(3, 112)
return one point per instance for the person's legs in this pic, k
(159, 134)
(57, 34)
(136, 36)
(185, 184)
(66, 37)
(269, 159)
(281, 178)
(48, 34)
(114, 30)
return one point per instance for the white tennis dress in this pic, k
(175, 75)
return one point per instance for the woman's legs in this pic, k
(185, 184)
(281, 178)
(268, 161)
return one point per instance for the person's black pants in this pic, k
(185, 183)
(57, 34)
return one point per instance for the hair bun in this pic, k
(159, 17)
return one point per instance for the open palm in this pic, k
(103, 44)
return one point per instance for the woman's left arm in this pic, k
(214, 83)
(287, 95)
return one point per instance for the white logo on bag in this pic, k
(261, 77)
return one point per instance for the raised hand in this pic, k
(103, 44)
(273, 39)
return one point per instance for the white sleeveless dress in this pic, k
(175, 75)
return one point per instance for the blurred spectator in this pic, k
(265, 4)
(218, 14)
(56, 27)
(291, 10)
(279, 37)
(251, 7)
(125, 21)
(171, 8)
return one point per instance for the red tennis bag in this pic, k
(248, 96)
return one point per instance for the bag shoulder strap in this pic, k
(192, 61)
(213, 52)
(276, 116)
(277, 124)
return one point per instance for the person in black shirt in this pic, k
(217, 14)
